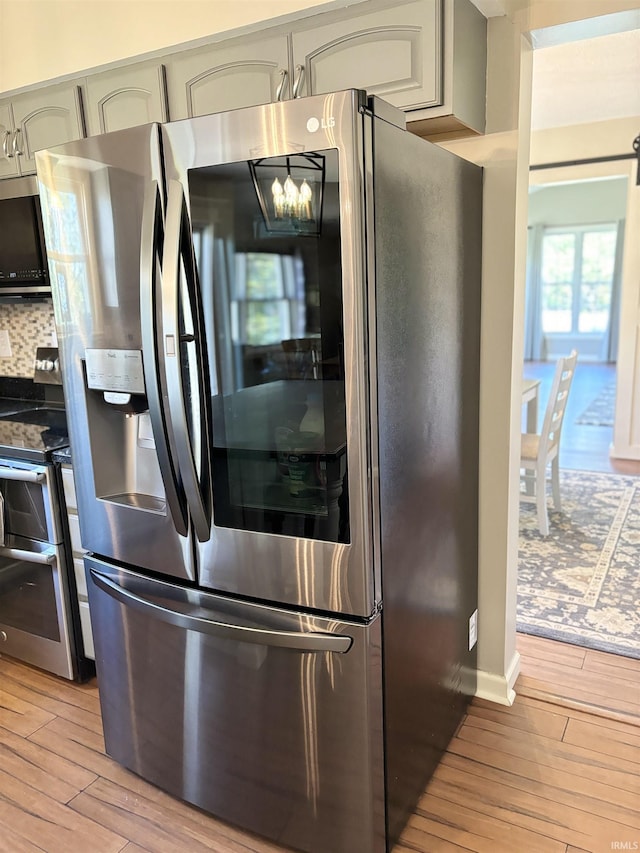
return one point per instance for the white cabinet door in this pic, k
(125, 97)
(45, 118)
(395, 53)
(227, 76)
(8, 162)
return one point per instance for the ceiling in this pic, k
(491, 8)
(583, 72)
(591, 80)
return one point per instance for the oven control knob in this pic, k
(3, 636)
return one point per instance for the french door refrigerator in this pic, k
(269, 331)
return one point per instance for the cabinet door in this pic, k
(125, 97)
(395, 53)
(45, 118)
(227, 76)
(8, 163)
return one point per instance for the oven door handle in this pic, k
(305, 641)
(22, 475)
(44, 558)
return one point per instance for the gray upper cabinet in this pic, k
(39, 119)
(394, 53)
(464, 56)
(125, 97)
(427, 57)
(228, 75)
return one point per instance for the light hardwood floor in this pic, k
(557, 772)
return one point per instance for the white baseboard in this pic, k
(499, 688)
(628, 451)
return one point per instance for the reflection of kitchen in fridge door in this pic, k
(279, 427)
(269, 327)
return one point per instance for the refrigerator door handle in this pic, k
(177, 257)
(151, 246)
(298, 640)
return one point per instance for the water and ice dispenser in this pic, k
(125, 464)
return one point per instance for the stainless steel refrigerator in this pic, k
(269, 331)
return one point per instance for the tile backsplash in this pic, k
(29, 325)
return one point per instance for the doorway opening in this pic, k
(577, 584)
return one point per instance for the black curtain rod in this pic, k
(584, 162)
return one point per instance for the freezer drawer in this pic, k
(268, 719)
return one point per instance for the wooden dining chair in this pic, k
(539, 450)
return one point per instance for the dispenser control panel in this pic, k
(118, 370)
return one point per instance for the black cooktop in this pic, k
(33, 424)
(33, 432)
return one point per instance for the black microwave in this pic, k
(23, 259)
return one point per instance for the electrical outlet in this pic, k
(473, 629)
(5, 344)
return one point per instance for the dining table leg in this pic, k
(530, 395)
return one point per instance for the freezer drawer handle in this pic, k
(300, 640)
(22, 475)
(45, 558)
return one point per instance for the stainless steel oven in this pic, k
(35, 601)
(39, 616)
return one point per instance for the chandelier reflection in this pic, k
(290, 192)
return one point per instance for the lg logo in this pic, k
(314, 124)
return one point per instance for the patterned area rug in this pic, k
(581, 584)
(601, 410)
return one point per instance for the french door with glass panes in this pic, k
(576, 287)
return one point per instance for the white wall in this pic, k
(45, 39)
(582, 203)
(591, 78)
(504, 254)
(567, 20)
(504, 152)
(581, 142)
